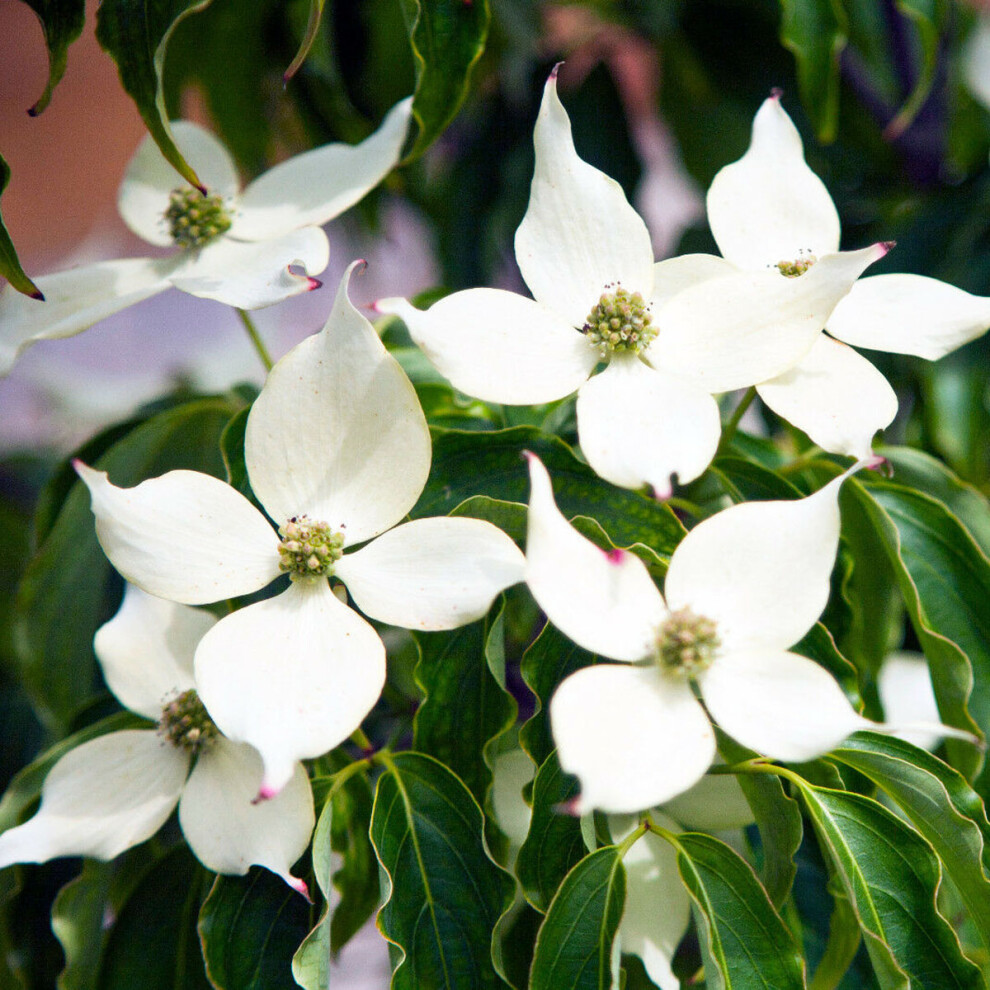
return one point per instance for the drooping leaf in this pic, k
(944, 579)
(153, 943)
(746, 939)
(447, 37)
(929, 18)
(574, 944)
(62, 22)
(250, 927)
(844, 938)
(312, 28)
(446, 894)
(10, 267)
(554, 844)
(815, 32)
(891, 877)
(940, 805)
(69, 588)
(135, 33)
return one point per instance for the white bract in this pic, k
(337, 452)
(235, 246)
(117, 790)
(742, 588)
(598, 296)
(770, 212)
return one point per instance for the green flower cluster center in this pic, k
(686, 643)
(194, 219)
(186, 724)
(309, 549)
(621, 321)
(791, 269)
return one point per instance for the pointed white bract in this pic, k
(769, 213)
(742, 587)
(337, 450)
(117, 790)
(267, 231)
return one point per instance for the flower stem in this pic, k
(729, 430)
(360, 740)
(255, 337)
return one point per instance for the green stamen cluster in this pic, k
(791, 269)
(620, 322)
(194, 219)
(686, 643)
(308, 549)
(186, 724)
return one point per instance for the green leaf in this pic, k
(746, 480)
(447, 37)
(312, 28)
(930, 19)
(554, 845)
(62, 22)
(250, 927)
(574, 944)
(153, 943)
(446, 893)
(844, 938)
(815, 32)
(747, 940)
(550, 658)
(462, 674)
(469, 463)
(944, 579)
(10, 267)
(940, 805)
(890, 876)
(69, 588)
(78, 923)
(135, 33)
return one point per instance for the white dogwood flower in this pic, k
(585, 255)
(337, 452)
(235, 246)
(742, 588)
(117, 790)
(770, 212)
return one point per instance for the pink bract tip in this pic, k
(313, 283)
(528, 456)
(776, 94)
(615, 555)
(38, 294)
(76, 464)
(554, 71)
(571, 807)
(888, 246)
(265, 793)
(300, 887)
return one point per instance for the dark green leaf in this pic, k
(818, 645)
(462, 675)
(468, 463)
(747, 940)
(69, 589)
(153, 943)
(554, 844)
(250, 927)
(78, 923)
(944, 579)
(574, 944)
(930, 19)
(447, 37)
(940, 805)
(815, 32)
(446, 893)
(62, 22)
(136, 33)
(749, 481)
(10, 267)
(232, 452)
(890, 876)
(844, 938)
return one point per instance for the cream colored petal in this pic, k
(769, 206)
(579, 233)
(714, 804)
(674, 275)
(905, 685)
(836, 396)
(337, 432)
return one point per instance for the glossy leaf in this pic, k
(10, 266)
(69, 589)
(135, 33)
(554, 845)
(462, 674)
(250, 927)
(944, 579)
(890, 876)
(153, 943)
(447, 38)
(940, 805)
(574, 944)
(746, 938)
(62, 22)
(445, 894)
